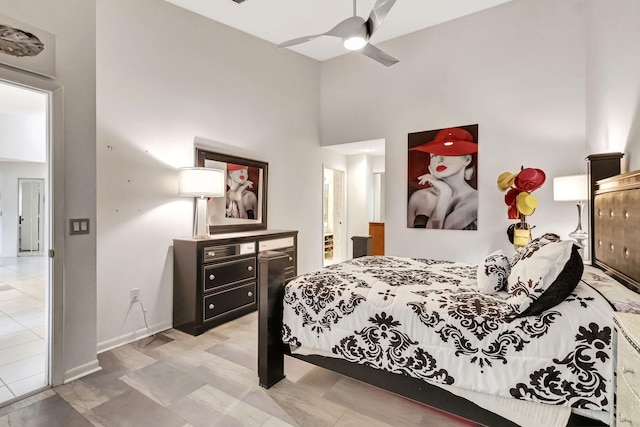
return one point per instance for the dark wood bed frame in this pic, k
(612, 250)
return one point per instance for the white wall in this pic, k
(73, 24)
(23, 137)
(359, 198)
(518, 70)
(377, 164)
(613, 79)
(160, 90)
(9, 174)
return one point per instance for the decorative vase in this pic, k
(519, 234)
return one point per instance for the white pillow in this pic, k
(533, 246)
(544, 277)
(493, 273)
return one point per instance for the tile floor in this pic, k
(22, 326)
(176, 379)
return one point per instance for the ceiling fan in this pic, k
(356, 32)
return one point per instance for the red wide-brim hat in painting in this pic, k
(449, 142)
(234, 167)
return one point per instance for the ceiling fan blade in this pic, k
(299, 40)
(348, 27)
(378, 13)
(377, 55)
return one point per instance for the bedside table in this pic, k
(627, 327)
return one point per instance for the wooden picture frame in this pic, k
(244, 206)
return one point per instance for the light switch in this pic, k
(78, 226)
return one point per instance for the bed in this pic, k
(497, 358)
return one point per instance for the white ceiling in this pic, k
(374, 147)
(280, 20)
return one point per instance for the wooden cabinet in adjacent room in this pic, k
(376, 231)
(214, 279)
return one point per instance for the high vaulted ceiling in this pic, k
(280, 20)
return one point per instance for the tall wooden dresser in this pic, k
(627, 328)
(214, 279)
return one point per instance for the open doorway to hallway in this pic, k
(363, 209)
(24, 226)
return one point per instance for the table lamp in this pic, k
(573, 188)
(201, 183)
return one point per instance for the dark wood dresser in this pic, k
(214, 279)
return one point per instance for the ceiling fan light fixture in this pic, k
(354, 42)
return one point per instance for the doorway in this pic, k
(30, 216)
(26, 218)
(333, 216)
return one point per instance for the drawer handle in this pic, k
(249, 294)
(626, 370)
(290, 258)
(211, 306)
(250, 268)
(211, 277)
(211, 253)
(625, 420)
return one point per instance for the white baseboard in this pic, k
(81, 371)
(133, 336)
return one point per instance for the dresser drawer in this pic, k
(276, 244)
(290, 268)
(212, 253)
(628, 405)
(628, 362)
(225, 273)
(228, 300)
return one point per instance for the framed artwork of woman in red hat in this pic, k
(244, 206)
(442, 179)
(242, 201)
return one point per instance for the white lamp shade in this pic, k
(571, 188)
(201, 182)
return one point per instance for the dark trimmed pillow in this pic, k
(544, 278)
(493, 273)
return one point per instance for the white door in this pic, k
(30, 216)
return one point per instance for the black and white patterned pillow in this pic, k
(493, 272)
(533, 246)
(544, 278)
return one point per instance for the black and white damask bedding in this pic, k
(428, 319)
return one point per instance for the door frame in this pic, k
(54, 225)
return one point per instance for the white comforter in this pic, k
(426, 319)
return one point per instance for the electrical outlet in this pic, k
(135, 294)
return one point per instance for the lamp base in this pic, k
(200, 228)
(579, 235)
